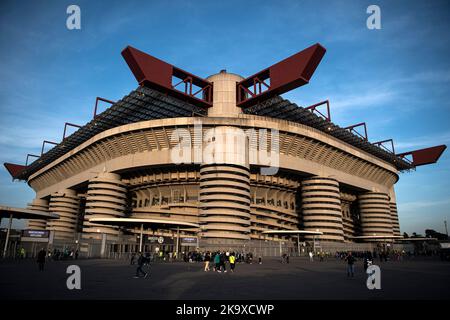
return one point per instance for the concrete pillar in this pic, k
(66, 204)
(106, 198)
(321, 208)
(394, 219)
(225, 170)
(225, 202)
(38, 205)
(394, 213)
(224, 95)
(375, 214)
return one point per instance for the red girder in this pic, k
(71, 125)
(96, 103)
(14, 169)
(47, 142)
(314, 107)
(154, 73)
(424, 156)
(362, 124)
(381, 144)
(283, 76)
(30, 155)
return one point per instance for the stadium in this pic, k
(223, 162)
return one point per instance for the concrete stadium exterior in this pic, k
(321, 183)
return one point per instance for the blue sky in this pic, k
(396, 79)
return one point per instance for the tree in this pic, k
(405, 235)
(430, 233)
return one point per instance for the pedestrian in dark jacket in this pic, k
(41, 259)
(350, 264)
(222, 262)
(141, 261)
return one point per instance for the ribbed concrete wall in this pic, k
(225, 201)
(321, 208)
(273, 204)
(66, 204)
(375, 214)
(38, 205)
(394, 218)
(349, 220)
(106, 198)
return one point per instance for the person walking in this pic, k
(217, 261)
(223, 261)
(133, 257)
(311, 256)
(207, 261)
(41, 259)
(350, 265)
(141, 261)
(22, 253)
(232, 262)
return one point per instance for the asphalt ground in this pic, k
(272, 280)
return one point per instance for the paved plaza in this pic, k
(300, 279)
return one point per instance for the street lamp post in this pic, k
(7, 235)
(178, 240)
(140, 237)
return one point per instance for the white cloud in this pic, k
(423, 141)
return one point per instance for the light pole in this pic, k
(178, 240)
(446, 231)
(7, 235)
(141, 235)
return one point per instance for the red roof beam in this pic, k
(71, 125)
(96, 103)
(288, 74)
(47, 142)
(424, 156)
(314, 107)
(14, 169)
(381, 145)
(157, 74)
(30, 155)
(352, 129)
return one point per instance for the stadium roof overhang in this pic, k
(380, 237)
(21, 213)
(292, 232)
(158, 97)
(144, 222)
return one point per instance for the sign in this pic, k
(35, 236)
(159, 240)
(188, 241)
(35, 233)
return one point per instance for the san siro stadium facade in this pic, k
(225, 161)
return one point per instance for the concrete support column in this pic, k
(375, 214)
(38, 205)
(394, 219)
(225, 202)
(106, 198)
(321, 208)
(66, 204)
(225, 185)
(394, 213)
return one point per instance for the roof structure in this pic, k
(280, 108)
(21, 213)
(157, 98)
(141, 104)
